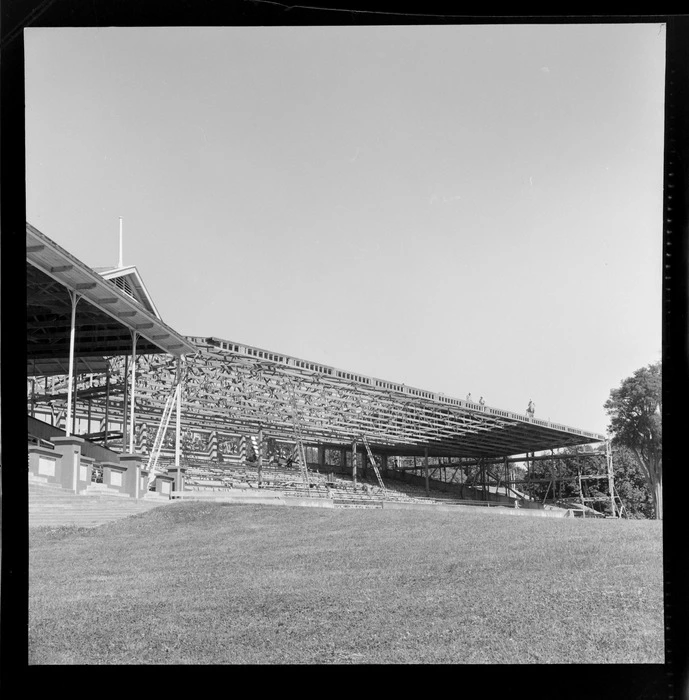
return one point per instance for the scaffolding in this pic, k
(500, 478)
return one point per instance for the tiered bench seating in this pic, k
(204, 476)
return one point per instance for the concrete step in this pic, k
(54, 506)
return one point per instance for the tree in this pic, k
(635, 422)
(631, 484)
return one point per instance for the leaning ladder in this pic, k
(301, 452)
(160, 435)
(375, 465)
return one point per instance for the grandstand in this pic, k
(106, 376)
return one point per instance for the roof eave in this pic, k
(94, 288)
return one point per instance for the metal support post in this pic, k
(74, 405)
(74, 297)
(107, 403)
(354, 462)
(178, 428)
(581, 493)
(135, 336)
(259, 457)
(611, 476)
(125, 385)
(425, 468)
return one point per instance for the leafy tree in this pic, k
(635, 423)
(631, 484)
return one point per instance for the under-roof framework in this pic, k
(105, 319)
(236, 392)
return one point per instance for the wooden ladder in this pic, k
(160, 435)
(299, 439)
(375, 465)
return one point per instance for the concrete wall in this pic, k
(45, 431)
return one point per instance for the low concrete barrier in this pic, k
(85, 473)
(252, 496)
(45, 464)
(114, 476)
(70, 449)
(132, 477)
(308, 502)
(502, 510)
(402, 505)
(164, 484)
(239, 496)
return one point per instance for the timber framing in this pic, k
(236, 391)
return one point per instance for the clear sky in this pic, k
(458, 208)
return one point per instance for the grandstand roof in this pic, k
(106, 314)
(229, 388)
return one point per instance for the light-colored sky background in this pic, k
(457, 208)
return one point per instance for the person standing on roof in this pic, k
(530, 409)
(481, 402)
(469, 396)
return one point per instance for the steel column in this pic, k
(125, 385)
(135, 336)
(178, 428)
(74, 405)
(354, 462)
(107, 403)
(74, 297)
(611, 477)
(259, 457)
(425, 467)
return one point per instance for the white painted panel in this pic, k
(165, 488)
(116, 478)
(46, 466)
(83, 473)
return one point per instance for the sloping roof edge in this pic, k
(46, 255)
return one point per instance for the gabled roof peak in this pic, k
(129, 280)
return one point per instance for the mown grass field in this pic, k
(195, 583)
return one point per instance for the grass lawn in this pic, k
(210, 583)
